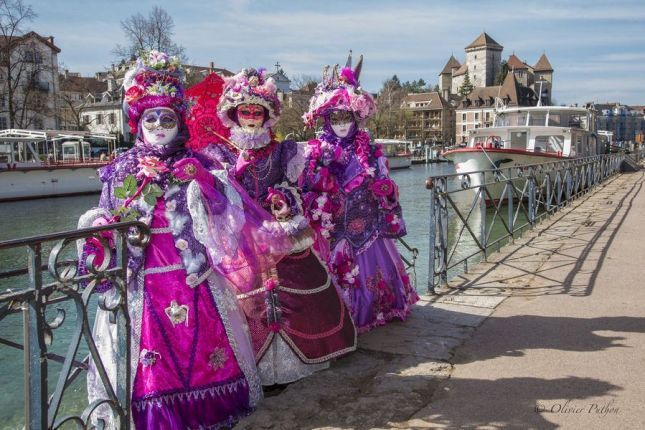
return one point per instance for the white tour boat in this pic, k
(526, 135)
(35, 164)
(397, 152)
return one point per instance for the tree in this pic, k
(154, 32)
(436, 88)
(466, 87)
(386, 122)
(503, 71)
(295, 104)
(20, 65)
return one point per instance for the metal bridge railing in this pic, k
(57, 286)
(473, 212)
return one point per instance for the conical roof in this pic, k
(451, 64)
(543, 65)
(515, 63)
(484, 40)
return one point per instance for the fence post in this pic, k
(483, 212)
(432, 235)
(532, 209)
(35, 361)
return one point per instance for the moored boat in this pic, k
(522, 136)
(35, 164)
(397, 152)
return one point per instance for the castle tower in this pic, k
(445, 77)
(543, 79)
(483, 57)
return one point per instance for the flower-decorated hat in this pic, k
(340, 92)
(250, 86)
(155, 80)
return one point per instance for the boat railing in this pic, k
(474, 212)
(56, 296)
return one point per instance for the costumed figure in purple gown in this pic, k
(193, 365)
(297, 320)
(353, 204)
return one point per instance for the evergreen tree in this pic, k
(467, 87)
(503, 71)
(436, 88)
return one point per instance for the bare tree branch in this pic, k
(147, 33)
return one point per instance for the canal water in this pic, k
(28, 218)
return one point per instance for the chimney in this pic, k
(65, 72)
(51, 39)
(211, 65)
(111, 84)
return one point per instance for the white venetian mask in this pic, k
(159, 126)
(341, 122)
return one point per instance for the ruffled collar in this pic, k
(246, 138)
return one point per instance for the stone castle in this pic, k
(483, 65)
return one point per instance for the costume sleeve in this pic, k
(386, 192)
(293, 160)
(96, 246)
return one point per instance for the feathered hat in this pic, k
(340, 92)
(250, 86)
(155, 80)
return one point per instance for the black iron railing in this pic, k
(471, 213)
(69, 289)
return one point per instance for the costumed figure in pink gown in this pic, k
(193, 366)
(353, 204)
(297, 320)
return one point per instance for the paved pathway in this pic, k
(548, 333)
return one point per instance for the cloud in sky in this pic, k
(596, 47)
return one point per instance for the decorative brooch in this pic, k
(148, 358)
(177, 313)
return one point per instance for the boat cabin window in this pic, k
(554, 120)
(487, 142)
(510, 119)
(537, 118)
(5, 153)
(549, 143)
(578, 121)
(518, 140)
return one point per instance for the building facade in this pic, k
(477, 109)
(626, 122)
(428, 119)
(29, 82)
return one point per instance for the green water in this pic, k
(28, 218)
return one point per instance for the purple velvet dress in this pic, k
(192, 361)
(354, 191)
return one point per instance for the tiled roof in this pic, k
(451, 64)
(510, 92)
(462, 70)
(434, 98)
(49, 41)
(543, 65)
(515, 63)
(81, 84)
(484, 40)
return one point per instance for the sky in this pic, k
(597, 48)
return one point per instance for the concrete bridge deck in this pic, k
(549, 333)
